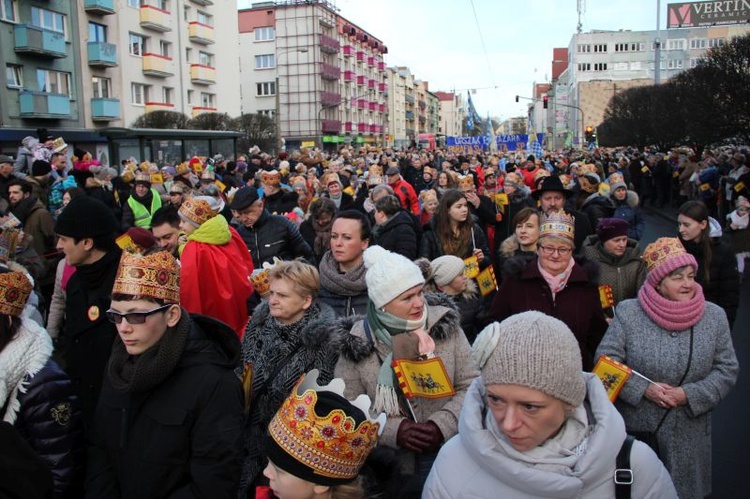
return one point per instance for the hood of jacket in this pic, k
(401, 217)
(210, 341)
(631, 199)
(598, 199)
(593, 249)
(215, 231)
(443, 320)
(30, 142)
(319, 331)
(499, 459)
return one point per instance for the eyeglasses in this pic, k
(133, 318)
(551, 251)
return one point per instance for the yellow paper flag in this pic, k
(613, 375)
(605, 296)
(125, 242)
(423, 378)
(471, 269)
(739, 186)
(486, 281)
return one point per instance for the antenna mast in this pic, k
(581, 7)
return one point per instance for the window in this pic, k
(205, 59)
(265, 61)
(101, 87)
(53, 82)
(600, 66)
(694, 61)
(622, 47)
(48, 20)
(137, 44)
(265, 33)
(135, 3)
(190, 96)
(676, 45)
(715, 42)
(165, 48)
(162, 4)
(13, 76)
(601, 48)
(97, 32)
(186, 13)
(8, 10)
(139, 94)
(584, 49)
(204, 18)
(698, 43)
(675, 64)
(620, 66)
(267, 112)
(584, 66)
(188, 54)
(166, 94)
(268, 88)
(208, 100)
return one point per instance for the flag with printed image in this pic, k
(613, 375)
(473, 117)
(533, 145)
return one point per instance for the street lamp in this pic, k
(301, 50)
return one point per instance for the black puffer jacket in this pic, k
(181, 438)
(398, 235)
(431, 247)
(281, 202)
(274, 235)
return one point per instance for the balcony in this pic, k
(202, 75)
(361, 80)
(409, 115)
(371, 61)
(348, 51)
(157, 65)
(330, 99)
(99, 7)
(361, 127)
(409, 98)
(329, 45)
(204, 3)
(422, 120)
(37, 41)
(381, 108)
(372, 106)
(200, 110)
(360, 56)
(329, 72)
(371, 83)
(155, 19)
(330, 126)
(159, 106)
(373, 128)
(381, 66)
(361, 103)
(200, 33)
(105, 109)
(348, 126)
(348, 75)
(422, 105)
(44, 105)
(102, 55)
(382, 87)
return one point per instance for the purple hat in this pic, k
(609, 228)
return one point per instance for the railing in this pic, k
(329, 72)
(329, 99)
(330, 126)
(44, 105)
(202, 75)
(329, 45)
(105, 109)
(200, 33)
(100, 7)
(38, 41)
(155, 19)
(102, 54)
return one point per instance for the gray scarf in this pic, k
(350, 283)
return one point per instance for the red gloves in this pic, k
(419, 437)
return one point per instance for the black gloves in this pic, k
(419, 437)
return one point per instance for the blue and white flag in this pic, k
(533, 144)
(473, 117)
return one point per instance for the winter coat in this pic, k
(625, 274)
(479, 462)
(577, 305)
(40, 226)
(43, 407)
(397, 234)
(25, 157)
(723, 287)
(629, 211)
(406, 194)
(431, 247)
(274, 235)
(359, 366)
(661, 355)
(472, 308)
(181, 438)
(346, 202)
(307, 344)
(596, 207)
(86, 340)
(281, 202)
(510, 248)
(56, 314)
(517, 201)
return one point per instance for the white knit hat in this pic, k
(389, 275)
(446, 268)
(534, 350)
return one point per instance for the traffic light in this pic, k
(589, 134)
(544, 102)
(516, 98)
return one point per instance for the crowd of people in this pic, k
(251, 327)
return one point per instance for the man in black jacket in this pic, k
(266, 235)
(552, 196)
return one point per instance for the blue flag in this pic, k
(473, 117)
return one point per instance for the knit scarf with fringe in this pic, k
(20, 360)
(384, 326)
(669, 314)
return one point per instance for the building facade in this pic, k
(451, 113)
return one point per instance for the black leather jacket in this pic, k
(274, 235)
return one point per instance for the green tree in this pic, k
(161, 120)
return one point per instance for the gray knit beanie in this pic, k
(388, 275)
(446, 268)
(536, 351)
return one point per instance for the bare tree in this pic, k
(161, 120)
(258, 130)
(210, 121)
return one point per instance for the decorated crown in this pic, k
(208, 175)
(661, 250)
(143, 177)
(155, 276)
(15, 289)
(59, 144)
(514, 178)
(465, 182)
(196, 211)
(616, 178)
(329, 448)
(182, 169)
(558, 225)
(144, 166)
(428, 194)
(9, 239)
(270, 178)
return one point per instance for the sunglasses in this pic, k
(133, 318)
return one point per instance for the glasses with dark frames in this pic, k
(133, 318)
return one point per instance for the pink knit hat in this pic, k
(664, 256)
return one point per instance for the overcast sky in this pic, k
(439, 40)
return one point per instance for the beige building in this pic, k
(451, 113)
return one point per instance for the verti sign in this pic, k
(692, 14)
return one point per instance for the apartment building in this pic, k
(319, 75)
(451, 113)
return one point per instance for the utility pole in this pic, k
(657, 45)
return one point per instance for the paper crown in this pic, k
(9, 239)
(208, 175)
(428, 170)
(155, 276)
(331, 178)
(15, 289)
(428, 195)
(59, 144)
(196, 211)
(616, 178)
(143, 177)
(514, 178)
(270, 178)
(329, 448)
(260, 281)
(558, 225)
(661, 250)
(465, 182)
(182, 169)
(144, 166)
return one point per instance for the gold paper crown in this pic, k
(559, 225)
(260, 281)
(270, 178)
(59, 144)
(155, 276)
(428, 194)
(661, 250)
(9, 239)
(143, 177)
(514, 178)
(465, 182)
(333, 445)
(182, 168)
(541, 173)
(127, 175)
(208, 175)
(376, 170)
(616, 178)
(197, 211)
(429, 170)
(15, 289)
(144, 166)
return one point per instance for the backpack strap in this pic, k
(623, 472)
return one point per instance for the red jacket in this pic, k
(405, 193)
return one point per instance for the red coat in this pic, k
(523, 288)
(214, 280)
(405, 193)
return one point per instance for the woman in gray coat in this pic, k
(681, 342)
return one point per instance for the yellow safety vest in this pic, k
(141, 214)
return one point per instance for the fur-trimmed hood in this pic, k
(521, 268)
(443, 320)
(631, 199)
(315, 335)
